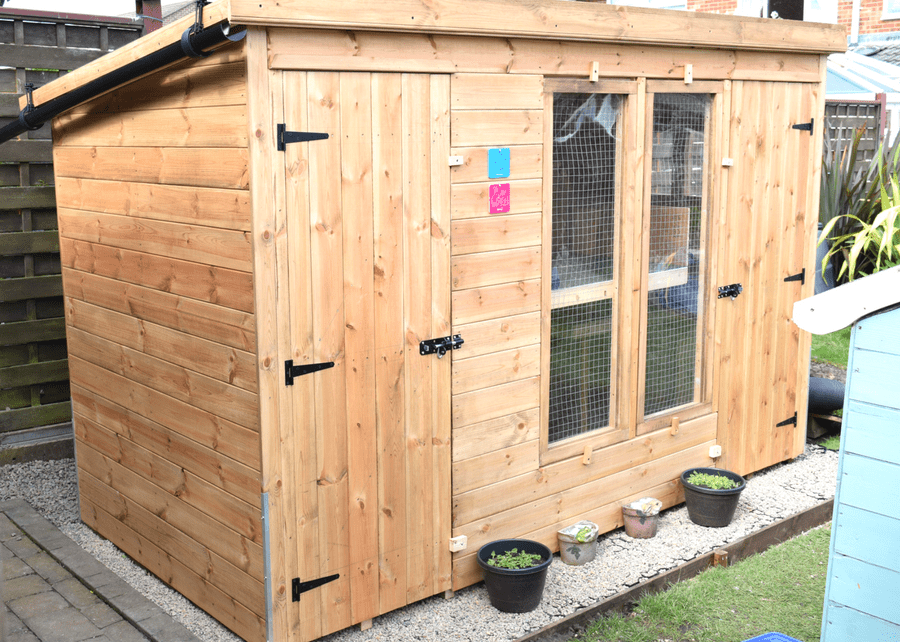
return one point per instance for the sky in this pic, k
(90, 7)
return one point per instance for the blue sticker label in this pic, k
(498, 163)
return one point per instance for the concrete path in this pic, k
(54, 591)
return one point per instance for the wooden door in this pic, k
(766, 236)
(367, 232)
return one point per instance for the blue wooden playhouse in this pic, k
(862, 594)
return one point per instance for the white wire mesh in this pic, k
(676, 259)
(584, 195)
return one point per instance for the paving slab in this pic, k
(56, 592)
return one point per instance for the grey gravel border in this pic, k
(140, 612)
(621, 563)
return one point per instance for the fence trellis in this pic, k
(843, 118)
(36, 47)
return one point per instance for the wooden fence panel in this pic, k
(37, 47)
(842, 118)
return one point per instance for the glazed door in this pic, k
(367, 226)
(766, 241)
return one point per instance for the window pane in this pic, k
(580, 369)
(676, 261)
(584, 188)
(584, 212)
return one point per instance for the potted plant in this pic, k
(711, 495)
(578, 543)
(514, 573)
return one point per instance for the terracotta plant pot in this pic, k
(709, 507)
(641, 517)
(514, 590)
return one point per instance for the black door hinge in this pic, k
(807, 127)
(800, 276)
(730, 290)
(298, 587)
(291, 371)
(440, 346)
(787, 422)
(285, 137)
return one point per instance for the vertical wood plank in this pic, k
(300, 275)
(814, 96)
(440, 327)
(760, 299)
(546, 269)
(390, 337)
(642, 249)
(630, 301)
(417, 312)
(263, 194)
(721, 352)
(359, 322)
(326, 245)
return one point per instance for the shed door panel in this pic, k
(767, 236)
(367, 213)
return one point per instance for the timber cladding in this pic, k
(157, 276)
(201, 262)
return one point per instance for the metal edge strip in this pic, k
(267, 558)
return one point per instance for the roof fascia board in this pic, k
(547, 19)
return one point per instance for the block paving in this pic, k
(54, 591)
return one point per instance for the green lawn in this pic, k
(780, 590)
(832, 348)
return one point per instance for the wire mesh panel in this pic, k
(585, 148)
(676, 262)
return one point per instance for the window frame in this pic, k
(616, 431)
(630, 283)
(702, 403)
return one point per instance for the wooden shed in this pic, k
(260, 247)
(863, 564)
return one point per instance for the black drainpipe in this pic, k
(192, 44)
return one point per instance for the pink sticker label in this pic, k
(499, 197)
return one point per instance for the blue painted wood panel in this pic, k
(872, 431)
(879, 333)
(870, 484)
(868, 537)
(862, 594)
(874, 379)
(865, 588)
(847, 625)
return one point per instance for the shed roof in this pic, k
(853, 73)
(540, 19)
(836, 309)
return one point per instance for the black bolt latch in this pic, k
(800, 276)
(730, 290)
(440, 346)
(285, 137)
(291, 371)
(298, 587)
(807, 127)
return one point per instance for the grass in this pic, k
(832, 348)
(780, 590)
(831, 443)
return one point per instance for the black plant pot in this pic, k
(708, 507)
(514, 590)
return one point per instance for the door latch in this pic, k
(730, 290)
(441, 345)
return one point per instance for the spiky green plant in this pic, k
(853, 197)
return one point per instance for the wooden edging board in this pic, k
(781, 531)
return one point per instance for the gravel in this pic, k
(621, 562)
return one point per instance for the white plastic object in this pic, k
(715, 451)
